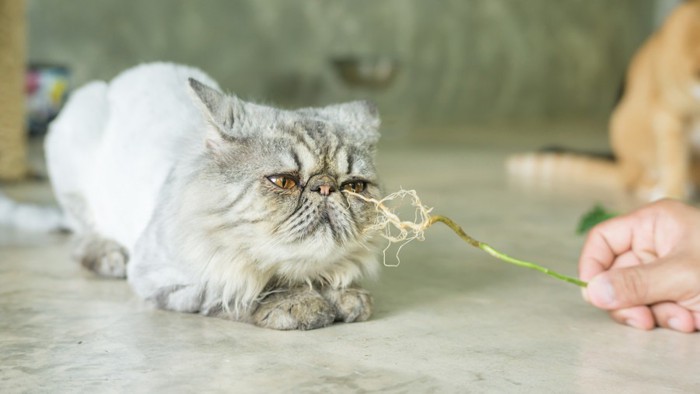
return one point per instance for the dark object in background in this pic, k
(560, 150)
(375, 73)
(47, 88)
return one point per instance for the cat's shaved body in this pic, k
(223, 207)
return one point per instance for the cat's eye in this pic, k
(283, 181)
(354, 186)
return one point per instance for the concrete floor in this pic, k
(448, 319)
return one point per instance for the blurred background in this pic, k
(461, 85)
(436, 68)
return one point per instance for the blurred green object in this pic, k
(591, 218)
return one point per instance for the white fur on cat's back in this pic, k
(112, 147)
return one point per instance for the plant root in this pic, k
(396, 230)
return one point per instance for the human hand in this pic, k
(644, 267)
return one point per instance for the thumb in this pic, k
(639, 285)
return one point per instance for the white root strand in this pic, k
(392, 227)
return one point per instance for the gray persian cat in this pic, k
(214, 205)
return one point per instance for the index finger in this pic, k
(604, 243)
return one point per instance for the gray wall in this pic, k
(462, 62)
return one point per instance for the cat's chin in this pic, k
(322, 248)
(318, 254)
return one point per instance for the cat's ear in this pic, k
(222, 111)
(362, 114)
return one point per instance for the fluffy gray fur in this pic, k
(225, 240)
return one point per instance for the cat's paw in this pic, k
(294, 309)
(112, 264)
(351, 304)
(103, 256)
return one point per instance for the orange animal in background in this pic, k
(655, 129)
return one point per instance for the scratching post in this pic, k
(13, 144)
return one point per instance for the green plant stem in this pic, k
(493, 252)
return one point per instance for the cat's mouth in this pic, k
(325, 218)
(331, 222)
(318, 221)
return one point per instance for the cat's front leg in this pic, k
(351, 304)
(673, 156)
(299, 308)
(101, 255)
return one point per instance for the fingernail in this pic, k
(584, 294)
(675, 324)
(601, 290)
(633, 323)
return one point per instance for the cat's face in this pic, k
(295, 180)
(285, 177)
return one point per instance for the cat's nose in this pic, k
(325, 190)
(322, 184)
